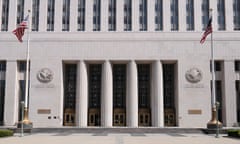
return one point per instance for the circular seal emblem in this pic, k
(193, 75)
(45, 75)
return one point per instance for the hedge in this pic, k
(234, 133)
(5, 133)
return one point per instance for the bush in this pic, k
(234, 133)
(5, 133)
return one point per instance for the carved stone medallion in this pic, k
(45, 75)
(193, 75)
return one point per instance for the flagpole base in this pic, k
(214, 123)
(26, 123)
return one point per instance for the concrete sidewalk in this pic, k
(114, 138)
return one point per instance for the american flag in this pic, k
(208, 30)
(19, 31)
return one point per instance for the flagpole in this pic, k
(213, 123)
(26, 110)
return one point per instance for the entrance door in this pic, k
(94, 117)
(119, 117)
(69, 117)
(144, 117)
(119, 95)
(94, 94)
(70, 76)
(169, 117)
(169, 94)
(144, 94)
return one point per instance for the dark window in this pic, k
(5, 15)
(35, 15)
(205, 13)
(119, 86)
(174, 15)
(70, 76)
(66, 15)
(97, 15)
(159, 15)
(94, 87)
(143, 85)
(127, 15)
(112, 15)
(237, 65)
(217, 66)
(236, 14)
(143, 15)
(50, 15)
(81, 15)
(20, 11)
(2, 65)
(190, 14)
(221, 14)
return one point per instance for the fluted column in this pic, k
(229, 104)
(82, 95)
(157, 99)
(107, 95)
(132, 95)
(11, 94)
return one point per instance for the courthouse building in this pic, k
(120, 63)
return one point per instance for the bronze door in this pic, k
(94, 117)
(144, 117)
(119, 117)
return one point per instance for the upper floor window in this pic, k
(217, 66)
(127, 15)
(81, 15)
(97, 15)
(66, 15)
(221, 14)
(205, 13)
(112, 15)
(35, 15)
(50, 15)
(158, 15)
(5, 12)
(174, 15)
(237, 65)
(143, 15)
(190, 14)
(236, 14)
(22, 66)
(2, 65)
(20, 11)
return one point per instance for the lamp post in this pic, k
(217, 128)
(22, 111)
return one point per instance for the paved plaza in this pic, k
(117, 138)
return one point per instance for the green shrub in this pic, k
(234, 133)
(5, 133)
